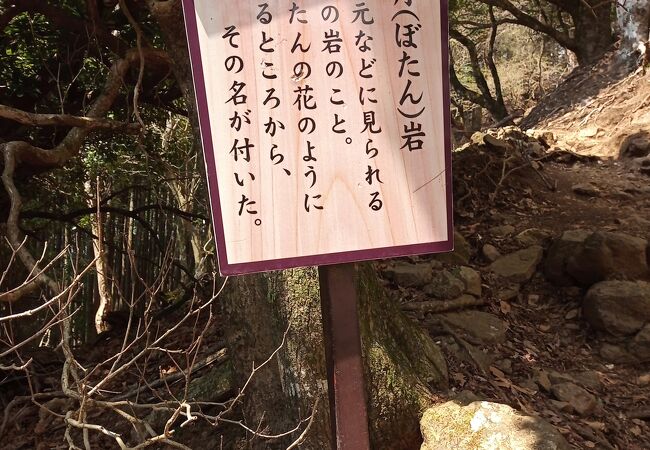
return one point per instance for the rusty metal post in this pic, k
(347, 394)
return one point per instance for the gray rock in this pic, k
(617, 354)
(586, 190)
(490, 252)
(519, 266)
(640, 345)
(509, 293)
(619, 308)
(587, 378)
(472, 280)
(502, 231)
(582, 401)
(532, 236)
(461, 252)
(481, 327)
(606, 255)
(409, 275)
(486, 426)
(562, 249)
(444, 285)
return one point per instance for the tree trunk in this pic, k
(633, 23)
(593, 30)
(104, 303)
(402, 363)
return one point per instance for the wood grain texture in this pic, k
(414, 193)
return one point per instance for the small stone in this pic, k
(490, 252)
(616, 354)
(509, 293)
(472, 280)
(640, 345)
(496, 143)
(505, 365)
(588, 132)
(502, 231)
(477, 138)
(582, 401)
(587, 378)
(444, 285)
(562, 406)
(620, 308)
(519, 266)
(532, 236)
(409, 275)
(481, 327)
(586, 190)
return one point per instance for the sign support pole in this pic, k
(347, 396)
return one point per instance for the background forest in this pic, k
(116, 330)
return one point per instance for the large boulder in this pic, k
(518, 266)
(620, 308)
(562, 249)
(486, 426)
(606, 256)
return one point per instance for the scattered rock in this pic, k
(519, 266)
(509, 293)
(636, 146)
(587, 378)
(532, 236)
(481, 327)
(640, 345)
(444, 285)
(409, 275)
(461, 252)
(562, 249)
(562, 406)
(486, 426)
(496, 143)
(471, 279)
(502, 231)
(580, 400)
(588, 132)
(617, 354)
(490, 252)
(608, 255)
(618, 307)
(586, 190)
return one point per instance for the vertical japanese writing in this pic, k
(305, 104)
(364, 42)
(407, 32)
(242, 146)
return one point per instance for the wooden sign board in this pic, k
(325, 127)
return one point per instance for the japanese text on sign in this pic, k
(326, 125)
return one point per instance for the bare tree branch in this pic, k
(66, 120)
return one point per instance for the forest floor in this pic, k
(591, 173)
